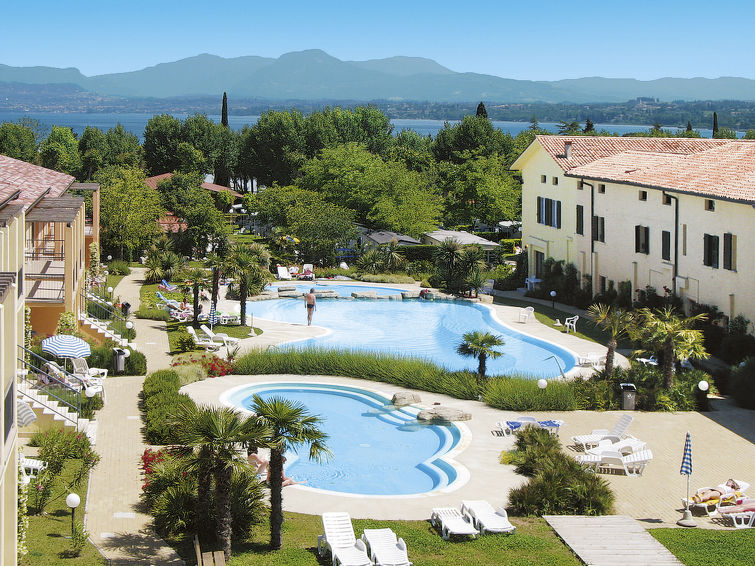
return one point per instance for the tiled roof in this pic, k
(464, 238)
(154, 181)
(31, 180)
(586, 149)
(725, 171)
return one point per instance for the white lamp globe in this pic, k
(109, 289)
(542, 383)
(553, 293)
(126, 352)
(129, 325)
(703, 385)
(90, 392)
(73, 500)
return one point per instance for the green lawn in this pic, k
(706, 547)
(46, 538)
(534, 544)
(112, 281)
(234, 331)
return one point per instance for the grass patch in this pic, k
(706, 547)
(45, 538)
(176, 329)
(112, 281)
(534, 544)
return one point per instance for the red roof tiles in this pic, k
(31, 180)
(154, 181)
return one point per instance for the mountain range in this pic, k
(315, 75)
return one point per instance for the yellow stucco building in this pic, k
(677, 213)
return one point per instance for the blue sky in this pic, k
(526, 39)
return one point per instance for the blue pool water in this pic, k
(343, 290)
(377, 449)
(429, 329)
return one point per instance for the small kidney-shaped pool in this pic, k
(378, 450)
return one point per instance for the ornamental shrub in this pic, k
(523, 394)
(742, 384)
(119, 267)
(161, 401)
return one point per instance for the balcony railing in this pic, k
(102, 309)
(41, 287)
(45, 250)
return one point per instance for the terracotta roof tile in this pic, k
(31, 180)
(154, 181)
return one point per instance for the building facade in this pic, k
(673, 214)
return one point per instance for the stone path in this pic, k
(115, 519)
(611, 540)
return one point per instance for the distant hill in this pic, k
(315, 75)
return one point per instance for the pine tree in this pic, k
(689, 126)
(481, 110)
(224, 112)
(715, 124)
(589, 126)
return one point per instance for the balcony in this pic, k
(44, 268)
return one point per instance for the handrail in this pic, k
(100, 308)
(45, 249)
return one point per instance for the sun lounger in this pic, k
(487, 519)
(742, 515)
(452, 522)
(167, 286)
(205, 343)
(626, 446)
(32, 466)
(81, 369)
(220, 337)
(632, 464)
(282, 272)
(345, 549)
(384, 548)
(614, 435)
(713, 506)
(510, 427)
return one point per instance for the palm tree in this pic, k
(248, 265)
(480, 345)
(617, 322)
(674, 337)
(217, 264)
(209, 436)
(290, 426)
(447, 256)
(195, 278)
(393, 259)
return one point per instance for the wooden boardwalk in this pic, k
(611, 540)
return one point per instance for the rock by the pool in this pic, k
(443, 414)
(365, 294)
(402, 399)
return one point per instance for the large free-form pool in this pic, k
(377, 448)
(427, 329)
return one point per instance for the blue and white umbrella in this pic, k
(212, 318)
(686, 469)
(66, 346)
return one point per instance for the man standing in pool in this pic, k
(310, 302)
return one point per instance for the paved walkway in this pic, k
(612, 540)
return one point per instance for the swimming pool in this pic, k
(343, 290)
(428, 329)
(378, 450)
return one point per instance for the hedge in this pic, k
(417, 253)
(161, 401)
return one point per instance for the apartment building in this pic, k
(673, 213)
(57, 234)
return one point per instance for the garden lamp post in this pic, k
(702, 394)
(73, 500)
(542, 383)
(553, 300)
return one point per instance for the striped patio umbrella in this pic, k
(212, 318)
(26, 414)
(66, 346)
(686, 469)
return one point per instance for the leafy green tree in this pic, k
(568, 128)
(273, 150)
(672, 336)
(413, 150)
(227, 155)
(331, 127)
(475, 135)
(93, 148)
(18, 141)
(480, 345)
(291, 426)
(481, 110)
(749, 135)
(123, 148)
(60, 151)
(209, 437)
(725, 134)
(128, 211)
(162, 134)
(190, 159)
(614, 321)
(203, 135)
(248, 264)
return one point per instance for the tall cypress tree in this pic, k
(689, 126)
(481, 110)
(224, 112)
(715, 124)
(589, 126)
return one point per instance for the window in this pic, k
(580, 220)
(603, 285)
(730, 249)
(710, 251)
(643, 195)
(642, 239)
(666, 245)
(710, 204)
(539, 264)
(601, 188)
(667, 200)
(9, 402)
(543, 178)
(684, 239)
(580, 185)
(555, 180)
(599, 228)
(20, 282)
(549, 212)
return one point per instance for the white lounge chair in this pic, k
(524, 314)
(339, 538)
(593, 359)
(742, 519)
(32, 466)
(81, 369)
(384, 548)
(487, 519)
(614, 435)
(205, 343)
(283, 272)
(713, 506)
(651, 361)
(571, 323)
(625, 446)
(220, 337)
(452, 522)
(633, 464)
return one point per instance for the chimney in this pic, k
(567, 149)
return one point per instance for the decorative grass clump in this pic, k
(558, 485)
(522, 394)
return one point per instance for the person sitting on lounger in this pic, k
(728, 488)
(286, 480)
(260, 464)
(746, 506)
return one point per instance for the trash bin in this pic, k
(125, 308)
(628, 396)
(119, 360)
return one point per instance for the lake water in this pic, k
(135, 122)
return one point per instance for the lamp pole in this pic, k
(553, 300)
(73, 501)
